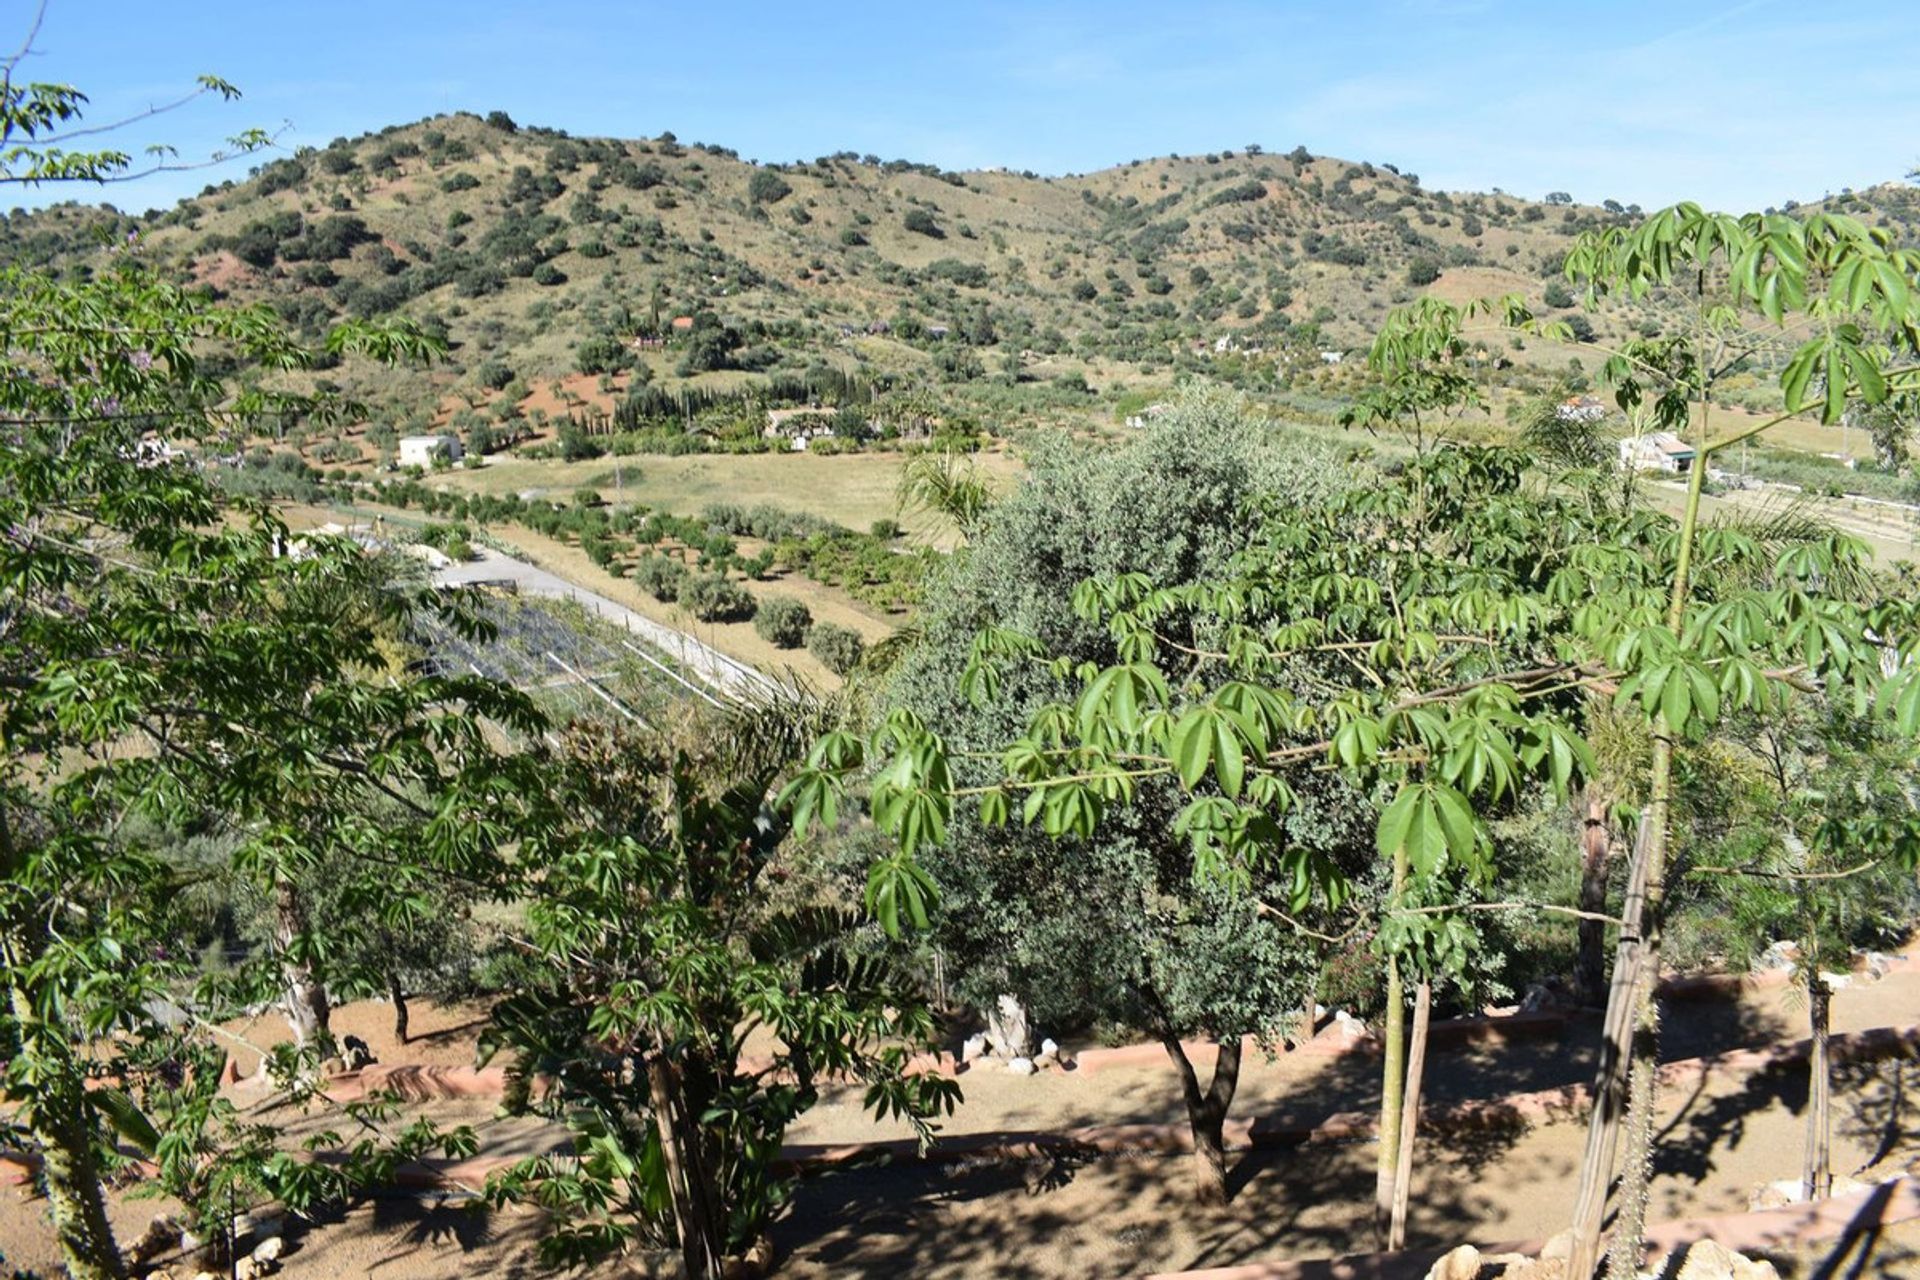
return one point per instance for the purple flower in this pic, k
(142, 359)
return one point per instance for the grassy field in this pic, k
(852, 489)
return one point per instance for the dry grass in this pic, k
(851, 489)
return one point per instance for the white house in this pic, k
(1656, 451)
(420, 451)
(1586, 409)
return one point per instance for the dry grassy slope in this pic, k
(1037, 239)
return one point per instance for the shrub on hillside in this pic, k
(1422, 272)
(713, 598)
(921, 222)
(660, 577)
(783, 622)
(767, 187)
(838, 648)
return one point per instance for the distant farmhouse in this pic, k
(1580, 409)
(421, 451)
(1656, 451)
(799, 427)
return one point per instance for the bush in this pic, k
(922, 223)
(1422, 272)
(839, 649)
(1558, 295)
(783, 622)
(660, 577)
(767, 187)
(971, 274)
(716, 599)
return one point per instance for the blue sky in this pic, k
(1737, 104)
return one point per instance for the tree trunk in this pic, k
(69, 1168)
(1207, 1113)
(1630, 1221)
(1392, 1078)
(398, 994)
(1637, 966)
(308, 1010)
(1817, 1182)
(1610, 1077)
(1596, 849)
(1410, 1116)
(701, 1246)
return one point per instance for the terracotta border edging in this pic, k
(420, 1082)
(1540, 1106)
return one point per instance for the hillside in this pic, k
(542, 258)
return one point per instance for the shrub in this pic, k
(767, 187)
(1422, 271)
(713, 598)
(660, 577)
(783, 622)
(851, 238)
(971, 274)
(921, 222)
(838, 648)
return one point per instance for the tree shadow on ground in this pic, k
(1878, 1105)
(1867, 1250)
(1715, 1119)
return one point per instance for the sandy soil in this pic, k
(438, 1035)
(1077, 1213)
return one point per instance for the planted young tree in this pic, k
(1820, 851)
(1842, 299)
(664, 942)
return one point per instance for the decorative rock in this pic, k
(269, 1250)
(1711, 1260)
(1007, 1028)
(973, 1047)
(1347, 1027)
(1778, 955)
(1462, 1263)
(1560, 1246)
(1541, 997)
(1837, 981)
(161, 1235)
(1020, 1066)
(1049, 1049)
(1786, 1191)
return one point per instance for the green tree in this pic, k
(1111, 927)
(250, 698)
(666, 945)
(838, 648)
(783, 621)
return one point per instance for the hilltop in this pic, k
(567, 272)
